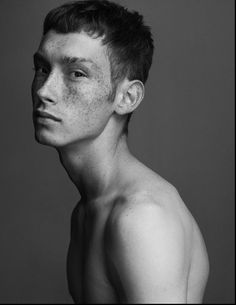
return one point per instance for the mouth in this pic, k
(45, 115)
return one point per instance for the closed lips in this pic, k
(44, 114)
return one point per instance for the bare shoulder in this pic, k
(150, 199)
(147, 246)
(157, 208)
(151, 239)
(152, 208)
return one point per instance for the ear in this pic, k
(130, 96)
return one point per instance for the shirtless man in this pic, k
(133, 240)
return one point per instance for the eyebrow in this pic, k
(67, 60)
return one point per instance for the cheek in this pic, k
(86, 101)
(70, 96)
(87, 108)
(76, 101)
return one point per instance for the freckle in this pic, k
(71, 95)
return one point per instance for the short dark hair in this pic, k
(129, 40)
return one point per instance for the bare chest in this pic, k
(87, 272)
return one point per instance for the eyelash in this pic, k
(36, 70)
(81, 74)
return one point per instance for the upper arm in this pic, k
(147, 251)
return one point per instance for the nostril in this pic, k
(46, 88)
(44, 95)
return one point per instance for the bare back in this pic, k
(93, 275)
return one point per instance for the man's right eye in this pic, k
(40, 70)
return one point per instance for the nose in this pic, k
(47, 90)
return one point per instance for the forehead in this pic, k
(56, 45)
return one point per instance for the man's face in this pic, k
(72, 83)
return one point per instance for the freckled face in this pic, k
(72, 82)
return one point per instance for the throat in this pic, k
(95, 171)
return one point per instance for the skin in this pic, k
(133, 240)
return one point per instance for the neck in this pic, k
(94, 167)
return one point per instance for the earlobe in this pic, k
(132, 96)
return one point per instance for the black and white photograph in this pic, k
(118, 152)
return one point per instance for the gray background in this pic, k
(184, 130)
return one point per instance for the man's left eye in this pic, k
(77, 74)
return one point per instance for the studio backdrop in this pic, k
(183, 130)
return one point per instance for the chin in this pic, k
(58, 140)
(47, 139)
